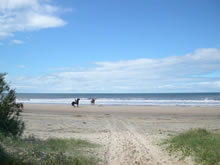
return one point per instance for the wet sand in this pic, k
(128, 134)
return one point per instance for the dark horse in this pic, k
(76, 102)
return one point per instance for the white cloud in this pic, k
(14, 4)
(27, 15)
(172, 74)
(20, 66)
(17, 42)
(217, 83)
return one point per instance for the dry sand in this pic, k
(128, 134)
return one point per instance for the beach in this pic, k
(127, 134)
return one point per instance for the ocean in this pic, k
(148, 99)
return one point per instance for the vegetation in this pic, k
(32, 151)
(10, 120)
(202, 145)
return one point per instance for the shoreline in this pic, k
(118, 107)
(121, 105)
(124, 99)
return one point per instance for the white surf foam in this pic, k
(105, 101)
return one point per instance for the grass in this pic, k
(202, 145)
(32, 151)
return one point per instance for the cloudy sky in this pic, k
(116, 46)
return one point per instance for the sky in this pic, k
(110, 46)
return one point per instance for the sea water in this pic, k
(148, 99)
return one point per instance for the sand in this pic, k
(128, 134)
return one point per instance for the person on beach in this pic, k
(92, 101)
(76, 102)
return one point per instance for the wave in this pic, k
(119, 101)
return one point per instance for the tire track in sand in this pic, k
(128, 147)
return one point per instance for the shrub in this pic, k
(203, 145)
(33, 151)
(10, 118)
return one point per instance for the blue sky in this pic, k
(111, 45)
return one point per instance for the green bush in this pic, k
(202, 145)
(10, 118)
(33, 151)
(4, 157)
